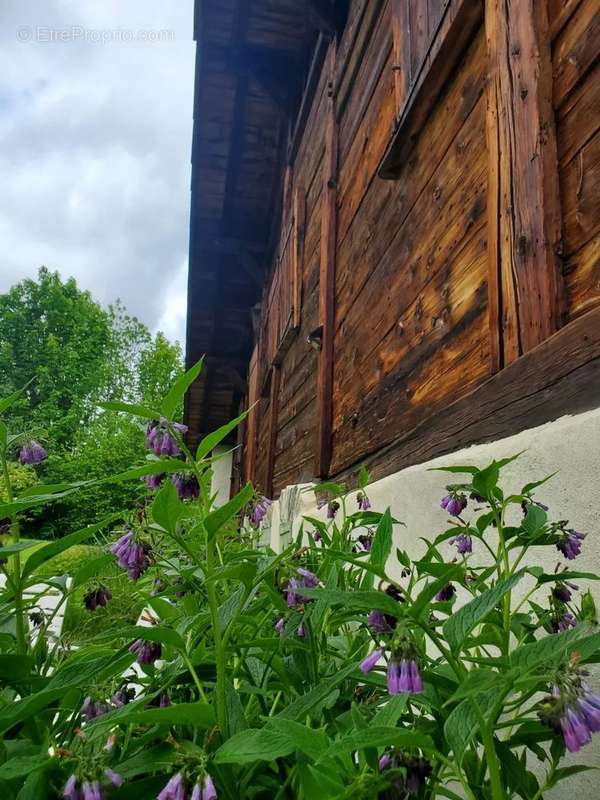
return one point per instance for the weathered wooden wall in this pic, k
(575, 30)
(424, 311)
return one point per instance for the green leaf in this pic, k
(254, 745)
(308, 740)
(363, 477)
(18, 766)
(454, 572)
(208, 444)
(148, 760)
(363, 600)
(381, 546)
(330, 487)
(556, 648)
(391, 712)
(134, 409)
(566, 772)
(179, 388)
(316, 698)
(477, 681)
(379, 737)
(153, 467)
(535, 521)
(462, 723)
(13, 666)
(199, 715)
(91, 569)
(18, 547)
(52, 549)
(167, 508)
(567, 575)
(460, 624)
(150, 633)
(216, 519)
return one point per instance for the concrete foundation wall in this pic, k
(569, 446)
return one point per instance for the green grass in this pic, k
(80, 625)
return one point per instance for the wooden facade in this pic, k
(395, 244)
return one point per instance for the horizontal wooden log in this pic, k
(560, 376)
(580, 196)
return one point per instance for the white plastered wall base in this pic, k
(569, 446)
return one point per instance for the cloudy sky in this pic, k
(95, 137)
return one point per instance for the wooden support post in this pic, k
(327, 277)
(298, 255)
(273, 415)
(524, 220)
(252, 418)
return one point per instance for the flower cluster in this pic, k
(91, 789)
(573, 709)
(260, 510)
(404, 676)
(176, 789)
(160, 440)
(416, 771)
(187, 485)
(153, 481)
(32, 453)
(146, 652)
(569, 543)
(454, 503)
(307, 580)
(463, 542)
(131, 555)
(92, 709)
(97, 597)
(364, 504)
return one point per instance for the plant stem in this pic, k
(17, 584)
(493, 764)
(219, 651)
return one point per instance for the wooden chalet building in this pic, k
(395, 227)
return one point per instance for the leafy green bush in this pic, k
(339, 668)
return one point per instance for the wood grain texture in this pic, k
(560, 376)
(327, 280)
(298, 234)
(523, 200)
(272, 427)
(575, 50)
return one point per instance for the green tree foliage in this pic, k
(79, 353)
(59, 334)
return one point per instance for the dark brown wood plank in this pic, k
(523, 199)
(560, 376)
(253, 417)
(272, 423)
(298, 235)
(327, 279)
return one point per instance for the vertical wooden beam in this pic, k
(327, 276)
(524, 219)
(252, 419)
(298, 254)
(401, 46)
(272, 436)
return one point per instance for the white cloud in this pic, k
(95, 150)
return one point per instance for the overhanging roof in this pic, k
(252, 60)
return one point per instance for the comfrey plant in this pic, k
(338, 668)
